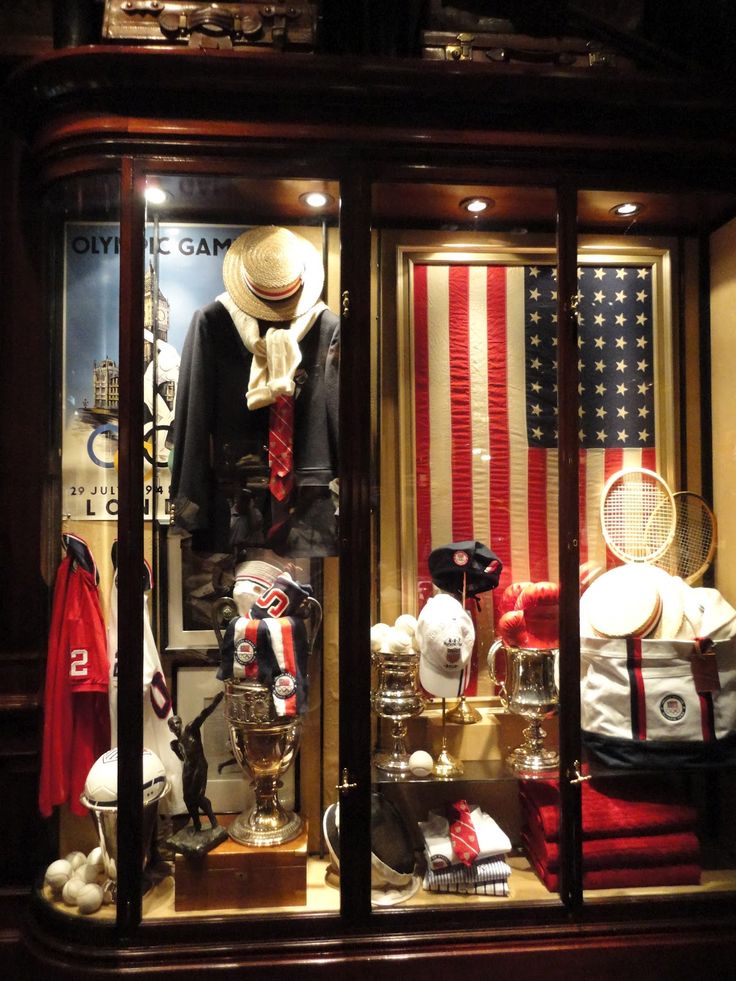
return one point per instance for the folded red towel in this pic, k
(610, 808)
(685, 874)
(610, 853)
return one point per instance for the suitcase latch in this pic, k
(280, 13)
(462, 49)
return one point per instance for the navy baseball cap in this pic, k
(468, 566)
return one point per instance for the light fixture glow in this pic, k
(476, 206)
(155, 195)
(315, 199)
(627, 209)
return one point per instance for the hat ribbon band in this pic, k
(283, 293)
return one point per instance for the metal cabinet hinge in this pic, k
(575, 776)
(462, 50)
(346, 784)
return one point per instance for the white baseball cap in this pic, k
(252, 578)
(445, 635)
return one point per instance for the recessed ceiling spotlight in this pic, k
(316, 199)
(155, 195)
(476, 206)
(627, 209)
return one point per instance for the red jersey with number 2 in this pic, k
(76, 718)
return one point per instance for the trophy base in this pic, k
(249, 828)
(396, 763)
(529, 761)
(463, 714)
(446, 767)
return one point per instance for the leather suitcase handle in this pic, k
(212, 21)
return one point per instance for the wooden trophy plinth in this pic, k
(235, 876)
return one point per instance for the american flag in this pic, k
(486, 405)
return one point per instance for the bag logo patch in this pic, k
(672, 708)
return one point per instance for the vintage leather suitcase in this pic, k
(519, 49)
(271, 25)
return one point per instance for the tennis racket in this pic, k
(691, 551)
(638, 517)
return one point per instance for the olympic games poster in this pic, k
(183, 272)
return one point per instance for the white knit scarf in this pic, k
(276, 355)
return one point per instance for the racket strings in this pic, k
(638, 517)
(693, 546)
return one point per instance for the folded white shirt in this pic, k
(438, 844)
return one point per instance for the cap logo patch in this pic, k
(460, 558)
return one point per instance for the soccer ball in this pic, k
(154, 777)
(101, 785)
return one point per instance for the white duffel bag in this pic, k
(664, 702)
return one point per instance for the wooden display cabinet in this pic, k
(239, 138)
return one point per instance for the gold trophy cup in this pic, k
(264, 746)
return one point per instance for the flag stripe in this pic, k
(460, 476)
(500, 461)
(423, 489)
(440, 423)
(537, 507)
(478, 327)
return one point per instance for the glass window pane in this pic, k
(467, 477)
(241, 398)
(657, 742)
(79, 773)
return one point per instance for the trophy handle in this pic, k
(502, 693)
(223, 611)
(314, 620)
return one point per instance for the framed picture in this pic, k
(228, 788)
(189, 593)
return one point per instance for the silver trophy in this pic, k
(397, 699)
(264, 745)
(529, 690)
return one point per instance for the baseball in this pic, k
(421, 763)
(75, 859)
(57, 874)
(407, 623)
(96, 857)
(379, 633)
(399, 641)
(90, 873)
(71, 890)
(89, 898)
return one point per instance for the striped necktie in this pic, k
(280, 447)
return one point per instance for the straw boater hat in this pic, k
(273, 274)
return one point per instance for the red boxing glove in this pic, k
(510, 596)
(540, 603)
(512, 629)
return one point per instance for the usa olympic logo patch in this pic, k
(284, 685)
(245, 652)
(672, 708)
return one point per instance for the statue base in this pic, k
(197, 843)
